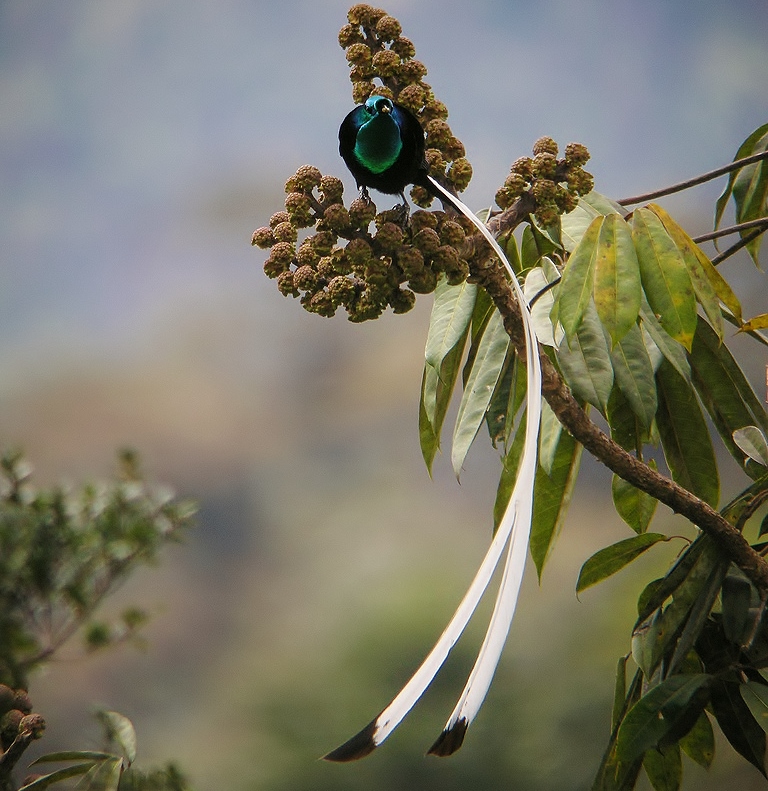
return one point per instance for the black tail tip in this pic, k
(360, 745)
(450, 739)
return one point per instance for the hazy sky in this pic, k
(142, 142)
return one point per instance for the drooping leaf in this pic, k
(550, 430)
(508, 476)
(664, 768)
(120, 730)
(750, 194)
(617, 278)
(747, 148)
(669, 348)
(664, 276)
(536, 244)
(585, 362)
(451, 313)
(724, 389)
(625, 427)
(609, 560)
(47, 780)
(574, 224)
(548, 331)
(603, 204)
(752, 441)
(756, 323)
(685, 437)
(634, 375)
(619, 691)
(738, 724)
(700, 268)
(756, 697)
(479, 388)
(633, 505)
(661, 590)
(699, 743)
(577, 284)
(655, 714)
(436, 391)
(736, 599)
(552, 496)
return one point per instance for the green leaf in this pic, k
(508, 476)
(664, 276)
(699, 743)
(738, 724)
(613, 558)
(548, 331)
(585, 362)
(550, 429)
(750, 194)
(652, 717)
(603, 204)
(756, 697)
(72, 755)
(574, 224)
(551, 497)
(664, 768)
(736, 599)
(633, 372)
(625, 427)
(752, 441)
(120, 729)
(451, 313)
(685, 437)
(479, 388)
(746, 149)
(724, 390)
(435, 399)
(58, 776)
(617, 278)
(578, 279)
(669, 348)
(619, 691)
(698, 266)
(633, 505)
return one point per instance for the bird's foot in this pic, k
(401, 213)
(365, 196)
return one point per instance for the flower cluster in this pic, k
(554, 185)
(376, 50)
(370, 272)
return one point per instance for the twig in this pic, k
(734, 248)
(684, 185)
(762, 222)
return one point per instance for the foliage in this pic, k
(632, 316)
(62, 552)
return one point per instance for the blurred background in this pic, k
(141, 143)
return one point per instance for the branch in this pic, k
(734, 248)
(31, 727)
(612, 455)
(684, 185)
(761, 222)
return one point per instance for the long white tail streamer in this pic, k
(514, 529)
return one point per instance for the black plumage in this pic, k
(382, 144)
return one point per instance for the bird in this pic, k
(382, 144)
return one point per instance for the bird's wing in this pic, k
(515, 528)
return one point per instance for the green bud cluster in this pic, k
(377, 51)
(384, 258)
(554, 185)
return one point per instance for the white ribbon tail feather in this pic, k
(514, 528)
